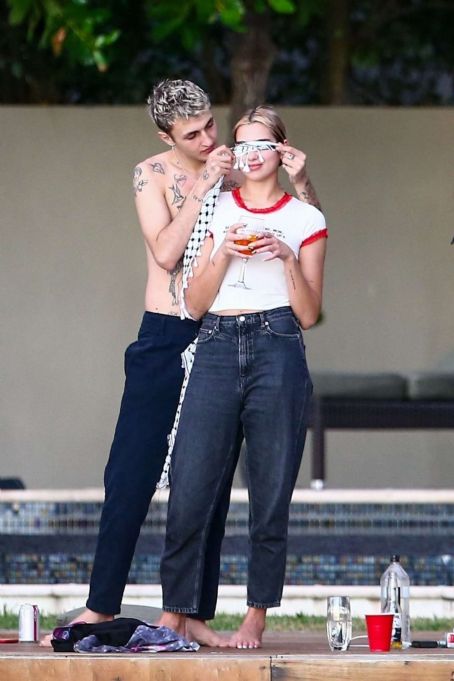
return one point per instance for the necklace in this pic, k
(180, 165)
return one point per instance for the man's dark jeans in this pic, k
(154, 376)
(249, 373)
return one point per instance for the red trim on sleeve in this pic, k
(281, 202)
(322, 234)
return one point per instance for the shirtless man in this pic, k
(169, 189)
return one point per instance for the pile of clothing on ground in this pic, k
(121, 635)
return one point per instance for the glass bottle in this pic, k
(395, 587)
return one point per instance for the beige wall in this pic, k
(72, 277)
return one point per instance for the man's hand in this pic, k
(293, 162)
(219, 162)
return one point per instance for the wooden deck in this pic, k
(284, 657)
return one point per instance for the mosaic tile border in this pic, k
(44, 541)
(82, 518)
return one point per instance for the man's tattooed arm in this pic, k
(138, 183)
(173, 281)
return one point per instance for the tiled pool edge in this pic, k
(336, 537)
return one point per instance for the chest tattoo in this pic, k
(178, 197)
(157, 168)
(228, 185)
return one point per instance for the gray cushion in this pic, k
(359, 385)
(431, 385)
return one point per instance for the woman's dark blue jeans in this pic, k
(250, 375)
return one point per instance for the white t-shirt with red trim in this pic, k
(296, 223)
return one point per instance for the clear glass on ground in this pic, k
(338, 622)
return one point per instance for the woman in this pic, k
(249, 375)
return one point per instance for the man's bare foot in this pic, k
(87, 616)
(199, 631)
(250, 633)
(173, 620)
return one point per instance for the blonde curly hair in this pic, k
(174, 99)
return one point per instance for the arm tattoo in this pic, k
(137, 183)
(178, 197)
(197, 198)
(293, 281)
(157, 168)
(173, 281)
(205, 175)
(308, 195)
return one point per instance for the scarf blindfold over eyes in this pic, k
(242, 151)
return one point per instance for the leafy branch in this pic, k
(75, 26)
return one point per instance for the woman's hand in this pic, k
(293, 162)
(236, 241)
(274, 248)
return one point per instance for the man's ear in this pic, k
(165, 137)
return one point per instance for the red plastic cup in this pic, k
(379, 630)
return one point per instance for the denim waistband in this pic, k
(249, 319)
(156, 322)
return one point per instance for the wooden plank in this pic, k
(159, 667)
(226, 668)
(285, 656)
(371, 668)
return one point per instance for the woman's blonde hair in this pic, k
(267, 116)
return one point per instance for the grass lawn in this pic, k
(308, 622)
(9, 621)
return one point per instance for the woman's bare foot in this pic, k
(173, 620)
(250, 633)
(199, 631)
(87, 617)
